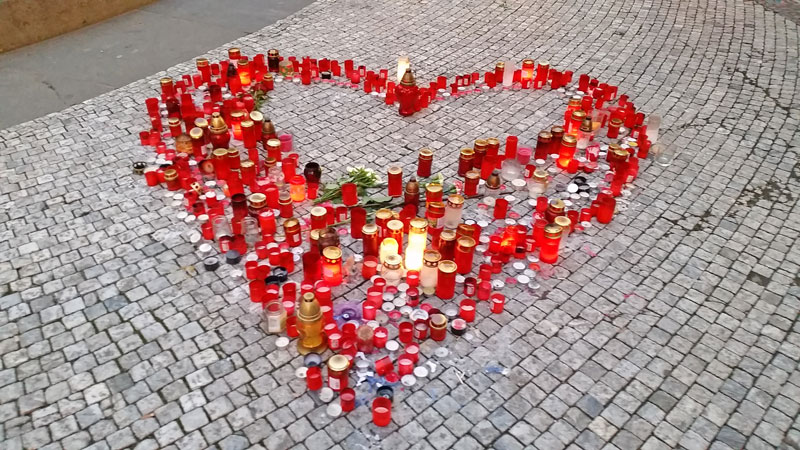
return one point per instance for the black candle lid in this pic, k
(281, 273)
(386, 391)
(458, 327)
(211, 263)
(233, 257)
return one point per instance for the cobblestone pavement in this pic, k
(681, 331)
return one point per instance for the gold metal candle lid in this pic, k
(480, 145)
(433, 188)
(544, 63)
(291, 224)
(563, 222)
(545, 136)
(201, 122)
(493, 142)
(435, 209)
(256, 116)
(418, 224)
(393, 261)
(238, 114)
(220, 152)
(395, 225)
(248, 164)
(556, 130)
(273, 52)
(247, 123)
(578, 115)
(217, 124)
(467, 153)
(448, 266)
(473, 174)
(527, 62)
(540, 175)
(500, 65)
(617, 122)
(173, 121)
(338, 363)
(309, 309)
(256, 200)
(318, 211)
(274, 143)
(201, 62)
(384, 214)
(166, 80)
(267, 128)
(394, 170)
(448, 236)
(408, 78)
(233, 152)
(557, 205)
(170, 174)
(196, 133)
(332, 253)
(438, 321)
(455, 200)
(465, 243)
(552, 231)
(412, 187)
(569, 140)
(369, 229)
(426, 153)
(431, 258)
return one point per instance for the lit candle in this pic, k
(332, 265)
(403, 64)
(417, 241)
(548, 253)
(388, 247)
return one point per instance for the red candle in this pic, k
(420, 329)
(465, 249)
(395, 181)
(349, 194)
(425, 163)
(347, 399)
(605, 208)
(369, 267)
(314, 378)
(384, 366)
(548, 253)
(497, 300)
(380, 337)
(500, 208)
(405, 332)
(467, 309)
(381, 411)
(446, 280)
(405, 365)
(484, 290)
(358, 217)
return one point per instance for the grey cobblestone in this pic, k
(681, 330)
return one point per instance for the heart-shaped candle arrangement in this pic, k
(420, 250)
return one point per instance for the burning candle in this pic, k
(332, 265)
(297, 188)
(392, 269)
(548, 252)
(417, 241)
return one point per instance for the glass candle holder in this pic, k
(395, 182)
(291, 228)
(349, 194)
(370, 239)
(380, 337)
(314, 378)
(285, 205)
(538, 183)
(605, 208)
(500, 208)
(297, 188)
(430, 271)
(381, 411)
(347, 399)
(446, 280)
(425, 163)
(453, 211)
(467, 309)
(438, 326)
(275, 317)
(497, 301)
(548, 251)
(388, 248)
(465, 161)
(332, 265)
(405, 332)
(465, 249)
(338, 372)
(471, 183)
(566, 151)
(417, 241)
(433, 193)
(392, 269)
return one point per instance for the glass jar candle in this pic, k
(543, 145)
(566, 151)
(275, 317)
(556, 133)
(274, 149)
(584, 135)
(394, 230)
(172, 180)
(291, 229)
(332, 265)
(526, 77)
(453, 211)
(465, 249)
(548, 251)
(435, 214)
(537, 185)
(370, 240)
(392, 269)
(388, 247)
(395, 181)
(297, 188)
(606, 204)
(425, 163)
(446, 280)
(382, 217)
(614, 126)
(573, 105)
(565, 223)
(554, 209)
(510, 169)
(285, 205)
(438, 326)
(430, 271)
(319, 218)
(338, 372)
(480, 152)
(433, 193)
(417, 241)
(266, 220)
(471, 182)
(575, 121)
(465, 161)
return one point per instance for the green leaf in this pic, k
(380, 198)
